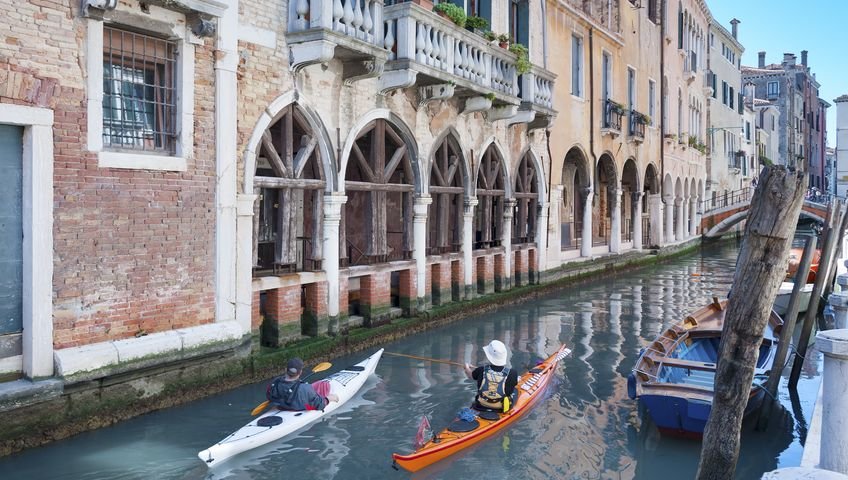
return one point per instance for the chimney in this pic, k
(804, 57)
(761, 63)
(789, 59)
(735, 27)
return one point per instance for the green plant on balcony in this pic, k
(522, 65)
(693, 140)
(490, 35)
(454, 13)
(503, 40)
(474, 23)
(490, 97)
(616, 107)
(701, 148)
(764, 160)
(643, 118)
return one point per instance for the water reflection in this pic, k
(586, 428)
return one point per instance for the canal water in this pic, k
(586, 427)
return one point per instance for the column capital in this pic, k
(245, 203)
(469, 204)
(636, 196)
(420, 206)
(510, 202)
(586, 192)
(333, 204)
(833, 343)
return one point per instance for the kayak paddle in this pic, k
(317, 368)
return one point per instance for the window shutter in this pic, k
(680, 29)
(741, 106)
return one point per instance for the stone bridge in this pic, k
(720, 215)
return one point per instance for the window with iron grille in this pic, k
(139, 92)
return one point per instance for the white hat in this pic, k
(496, 353)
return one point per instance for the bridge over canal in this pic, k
(722, 213)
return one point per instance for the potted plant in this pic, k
(476, 24)
(616, 107)
(644, 118)
(452, 12)
(503, 40)
(522, 64)
(490, 36)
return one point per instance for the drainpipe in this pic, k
(663, 100)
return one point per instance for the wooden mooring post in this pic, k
(836, 222)
(786, 333)
(769, 229)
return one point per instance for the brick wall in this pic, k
(256, 314)
(133, 250)
(375, 297)
(408, 291)
(283, 313)
(315, 315)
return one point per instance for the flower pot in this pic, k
(426, 4)
(444, 15)
(503, 44)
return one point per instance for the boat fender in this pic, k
(631, 386)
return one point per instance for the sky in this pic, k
(778, 26)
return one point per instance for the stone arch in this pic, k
(494, 144)
(528, 197)
(465, 157)
(652, 180)
(402, 131)
(270, 115)
(288, 165)
(448, 187)
(541, 181)
(380, 179)
(492, 189)
(631, 193)
(606, 185)
(576, 183)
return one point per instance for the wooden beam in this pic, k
(383, 187)
(490, 193)
(364, 167)
(439, 189)
(273, 157)
(303, 155)
(302, 183)
(393, 163)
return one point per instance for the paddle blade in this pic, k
(423, 433)
(321, 367)
(259, 408)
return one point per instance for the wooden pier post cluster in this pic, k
(760, 269)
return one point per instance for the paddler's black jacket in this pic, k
(294, 395)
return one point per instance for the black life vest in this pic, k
(492, 388)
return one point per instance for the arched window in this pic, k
(290, 182)
(446, 189)
(490, 197)
(377, 218)
(527, 200)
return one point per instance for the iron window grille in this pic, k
(139, 92)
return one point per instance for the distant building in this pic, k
(793, 90)
(841, 161)
(830, 170)
(727, 161)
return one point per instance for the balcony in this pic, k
(537, 87)
(348, 30)
(637, 126)
(611, 122)
(445, 60)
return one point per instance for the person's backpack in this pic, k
(281, 391)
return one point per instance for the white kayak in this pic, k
(276, 424)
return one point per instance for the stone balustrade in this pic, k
(537, 87)
(415, 36)
(360, 19)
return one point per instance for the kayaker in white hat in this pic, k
(495, 381)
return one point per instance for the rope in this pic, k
(426, 359)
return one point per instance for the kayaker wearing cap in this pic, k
(288, 392)
(495, 381)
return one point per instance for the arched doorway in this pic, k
(576, 184)
(651, 212)
(290, 181)
(630, 197)
(526, 202)
(488, 227)
(606, 184)
(379, 184)
(444, 216)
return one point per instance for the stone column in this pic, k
(655, 213)
(333, 204)
(244, 260)
(468, 246)
(505, 281)
(669, 219)
(693, 216)
(680, 234)
(839, 302)
(636, 198)
(615, 230)
(834, 440)
(419, 247)
(586, 241)
(541, 243)
(684, 222)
